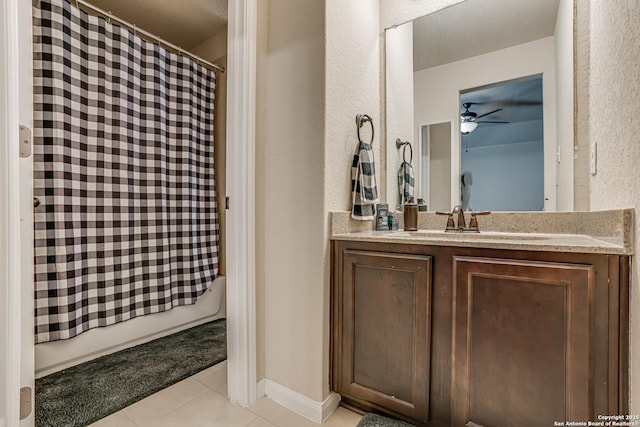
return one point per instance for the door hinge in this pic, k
(25, 141)
(226, 203)
(25, 402)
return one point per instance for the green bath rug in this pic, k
(374, 420)
(85, 393)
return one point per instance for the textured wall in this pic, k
(564, 90)
(614, 92)
(291, 232)
(352, 86)
(582, 124)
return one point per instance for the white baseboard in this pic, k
(318, 412)
(260, 389)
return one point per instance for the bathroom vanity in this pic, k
(500, 328)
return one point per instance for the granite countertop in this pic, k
(492, 240)
(605, 232)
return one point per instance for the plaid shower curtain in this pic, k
(123, 166)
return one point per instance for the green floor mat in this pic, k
(85, 393)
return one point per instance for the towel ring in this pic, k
(401, 143)
(361, 119)
(404, 153)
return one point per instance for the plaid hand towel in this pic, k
(363, 183)
(406, 181)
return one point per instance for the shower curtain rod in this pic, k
(137, 30)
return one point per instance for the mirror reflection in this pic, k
(483, 91)
(502, 152)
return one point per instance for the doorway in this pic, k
(16, 48)
(502, 146)
(435, 166)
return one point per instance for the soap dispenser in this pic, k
(410, 215)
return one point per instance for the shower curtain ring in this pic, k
(109, 17)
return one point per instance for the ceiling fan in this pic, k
(469, 119)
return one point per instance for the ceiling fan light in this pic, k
(468, 127)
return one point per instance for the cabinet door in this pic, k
(383, 358)
(522, 342)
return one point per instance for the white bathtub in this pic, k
(57, 355)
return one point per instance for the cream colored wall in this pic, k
(614, 92)
(564, 91)
(212, 49)
(399, 104)
(291, 233)
(353, 85)
(317, 69)
(440, 102)
(582, 47)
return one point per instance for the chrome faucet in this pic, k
(462, 224)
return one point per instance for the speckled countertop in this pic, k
(606, 232)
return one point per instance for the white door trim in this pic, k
(10, 262)
(240, 247)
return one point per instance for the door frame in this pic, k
(240, 228)
(12, 364)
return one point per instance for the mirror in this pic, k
(511, 63)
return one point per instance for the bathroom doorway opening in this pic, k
(220, 121)
(502, 159)
(435, 166)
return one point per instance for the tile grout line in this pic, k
(146, 423)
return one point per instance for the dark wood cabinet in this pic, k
(382, 357)
(522, 342)
(447, 336)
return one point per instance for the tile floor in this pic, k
(200, 401)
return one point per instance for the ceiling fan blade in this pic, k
(490, 112)
(489, 121)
